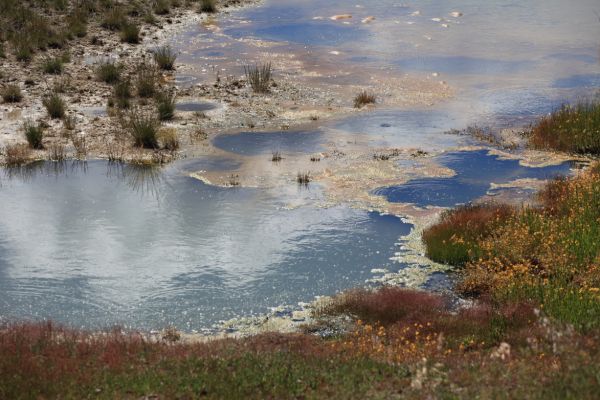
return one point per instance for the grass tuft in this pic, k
(165, 104)
(303, 178)
(147, 78)
(53, 65)
(12, 94)
(143, 128)
(165, 57)
(259, 77)
(17, 154)
(364, 98)
(108, 72)
(55, 105)
(34, 133)
(208, 6)
(130, 33)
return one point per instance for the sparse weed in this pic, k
(165, 57)
(364, 98)
(259, 77)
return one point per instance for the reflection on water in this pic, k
(102, 243)
(254, 143)
(475, 171)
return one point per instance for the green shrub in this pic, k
(165, 104)
(130, 33)
(143, 128)
(34, 134)
(108, 72)
(11, 94)
(165, 57)
(55, 105)
(53, 65)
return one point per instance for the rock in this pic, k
(368, 19)
(456, 14)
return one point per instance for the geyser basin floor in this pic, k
(108, 244)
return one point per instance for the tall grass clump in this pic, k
(165, 104)
(34, 133)
(455, 238)
(259, 77)
(114, 18)
(364, 98)
(122, 94)
(208, 6)
(571, 128)
(108, 72)
(165, 57)
(162, 7)
(143, 128)
(146, 80)
(130, 33)
(55, 105)
(12, 94)
(52, 65)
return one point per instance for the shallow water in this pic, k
(255, 143)
(475, 171)
(98, 244)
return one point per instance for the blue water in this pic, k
(254, 143)
(98, 244)
(475, 170)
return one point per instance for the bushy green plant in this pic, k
(55, 105)
(108, 72)
(130, 33)
(34, 134)
(53, 65)
(143, 128)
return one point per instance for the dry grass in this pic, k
(364, 98)
(259, 77)
(17, 154)
(11, 94)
